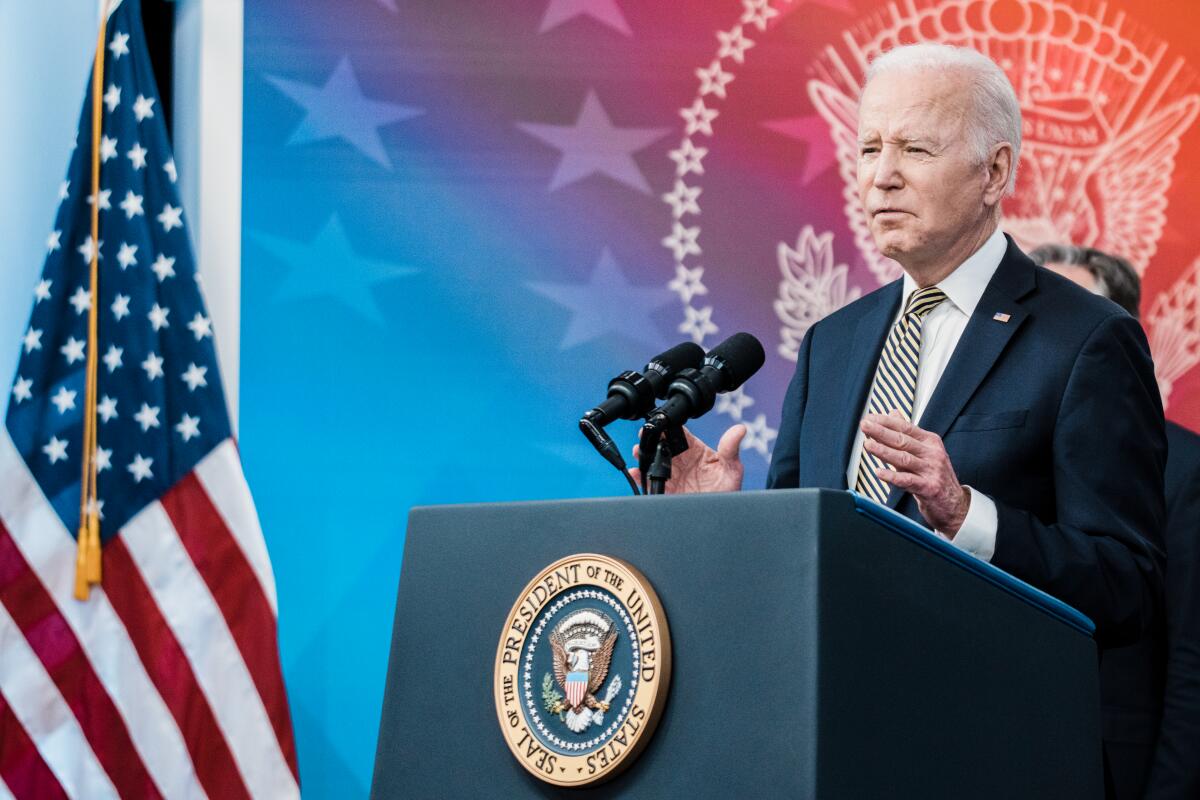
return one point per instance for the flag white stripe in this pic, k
(46, 717)
(196, 620)
(220, 473)
(5, 794)
(42, 538)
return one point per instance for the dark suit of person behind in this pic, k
(1151, 721)
(1052, 411)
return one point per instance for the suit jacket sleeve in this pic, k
(1100, 554)
(785, 458)
(1176, 769)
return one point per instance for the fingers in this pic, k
(731, 442)
(903, 460)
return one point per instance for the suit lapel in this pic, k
(983, 340)
(869, 334)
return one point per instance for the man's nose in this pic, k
(887, 170)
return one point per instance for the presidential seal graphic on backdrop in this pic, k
(582, 670)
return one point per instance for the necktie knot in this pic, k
(922, 301)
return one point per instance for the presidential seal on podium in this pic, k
(582, 670)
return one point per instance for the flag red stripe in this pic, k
(235, 587)
(21, 767)
(172, 675)
(51, 638)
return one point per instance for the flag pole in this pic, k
(87, 558)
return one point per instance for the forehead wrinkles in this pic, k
(914, 104)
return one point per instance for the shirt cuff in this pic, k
(977, 535)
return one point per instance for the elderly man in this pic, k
(1150, 691)
(994, 401)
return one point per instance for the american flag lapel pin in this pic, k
(1002, 317)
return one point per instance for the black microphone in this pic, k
(631, 395)
(694, 391)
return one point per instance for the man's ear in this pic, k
(999, 167)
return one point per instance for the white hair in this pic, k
(997, 114)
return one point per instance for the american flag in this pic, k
(166, 681)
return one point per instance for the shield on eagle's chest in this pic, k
(577, 683)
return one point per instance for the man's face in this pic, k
(920, 186)
(1080, 275)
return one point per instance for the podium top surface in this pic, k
(924, 537)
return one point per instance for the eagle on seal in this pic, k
(583, 646)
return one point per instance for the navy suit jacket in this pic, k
(1138, 708)
(1054, 413)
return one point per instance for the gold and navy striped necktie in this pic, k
(895, 386)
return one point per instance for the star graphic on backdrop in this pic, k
(734, 403)
(188, 427)
(758, 12)
(53, 241)
(390, 5)
(699, 118)
(103, 462)
(120, 307)
(22, 389)
(813, 131)
(759, 435)
(55, 449)
(106, 408)
(328, 267)
(594, 145)
(688, 158)
(714, 79)
(143, 107)
(683, 199)
(112, 98)
(687, 282)
(153, 366)
(603, 11)
(42, 291)
(607, 303)
(339, 110)
(139, 468)
(698, 323)
(734, 44)
(682, 241)
(63, 400)
(169, 168)
(33, 340)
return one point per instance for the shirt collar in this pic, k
(965, 285)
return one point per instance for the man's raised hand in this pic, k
(702, 469)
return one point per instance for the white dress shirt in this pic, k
(942, 329)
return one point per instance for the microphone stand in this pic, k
(670, 443)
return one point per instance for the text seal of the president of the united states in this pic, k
(582, 670)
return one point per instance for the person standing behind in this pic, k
(1151, 727)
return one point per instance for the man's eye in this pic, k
(868, 151)
(918, 150)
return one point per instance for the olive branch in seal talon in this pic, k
(552, 699)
